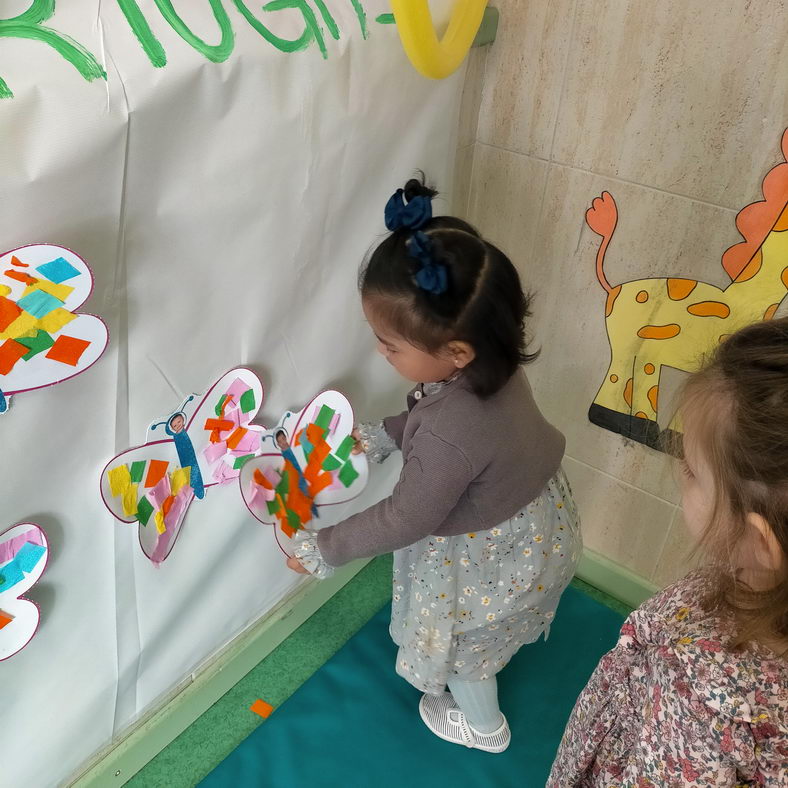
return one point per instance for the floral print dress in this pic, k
(672, 706)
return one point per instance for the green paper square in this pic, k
(218, 409)
(331, 463)
(241, 461)
(144, 510)
(283, 488)
(137, 469)
(343, 452)
(293, 521)
(273, 506)
(348, 474)
(37, 344)
(323, 419)
(247, 401)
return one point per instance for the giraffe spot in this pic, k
(653, 393)
(641, 297)
(611, 299)
(628, 393)
(784, 276)
(782, 223)
(649, 369)
(641, 415)
(614, 378)
(659, 332)
(709, 309)
(752, 268)
(770, 312)
(679, 289)
(723, 337)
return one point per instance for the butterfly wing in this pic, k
(24, 552)
(326, 472)
(43, 339)
(220, 428)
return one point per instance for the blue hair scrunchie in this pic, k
(412, 216)
(431, 277)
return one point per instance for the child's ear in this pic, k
(767, 549)
(461, 353)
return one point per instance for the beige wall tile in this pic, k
(674, 562)
(657, 235)
(461, 185)
(524, 75)
(623, 523)
(683, 95)
(506, 199)
(472, 96)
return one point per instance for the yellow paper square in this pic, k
(55, 320)
(24, 326)
(180, 478)
(119, 479)
(159, 519)
(130, 500)
(58, 291)
(4, 290)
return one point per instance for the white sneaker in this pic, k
(444, 718)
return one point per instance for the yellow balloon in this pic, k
(433, 58)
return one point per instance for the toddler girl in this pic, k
(696, 691)
(482, 523)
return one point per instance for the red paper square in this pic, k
(67, 349)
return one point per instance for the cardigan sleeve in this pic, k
(395, 426)
(433, 480)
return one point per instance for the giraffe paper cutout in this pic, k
(674, 322)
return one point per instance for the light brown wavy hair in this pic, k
(738, 407)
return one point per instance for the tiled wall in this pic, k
(677, 109)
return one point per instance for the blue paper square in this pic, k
(10, 575)
(58, 270)
(28, 556)
(38, 303)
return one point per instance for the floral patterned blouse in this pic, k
(670, 705)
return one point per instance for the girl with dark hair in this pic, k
(482, 524)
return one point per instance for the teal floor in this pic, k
(343, 717)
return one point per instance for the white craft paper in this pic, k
(224, 208)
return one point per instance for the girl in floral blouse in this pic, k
(696, 691)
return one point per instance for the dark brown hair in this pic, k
(738, 407)
(484, 304)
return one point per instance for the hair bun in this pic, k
(416, 187)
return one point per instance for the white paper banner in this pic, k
(224, 195)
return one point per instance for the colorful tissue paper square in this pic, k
(16, 261)
(247, 401)
(5, 618)
(9, 312)
(137, 470)
(61, 292)
(324, 418)
(156, 471)
(348, 474)
(29, 555)
(10, 352)
(68, 350)
(36, 344)
(58, 270)
(54, 321)
(10, 575)
(144, 510)
(343, 452)
(180, 478)
(241, 461)
(38, 303)
(119, 479)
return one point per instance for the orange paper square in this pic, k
(262, 708)
(67, 350)
(6, 619)
(21, 276)
(156, 471)
(16, 261)
(235, 438)
(10, 353)
(9, 312)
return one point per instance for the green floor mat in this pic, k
(356, 723)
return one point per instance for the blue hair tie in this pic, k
(432, 277)
(412, 216)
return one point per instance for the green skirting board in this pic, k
(356, 723)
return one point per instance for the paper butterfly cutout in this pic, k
(24, 552)
(311, 466)
(204, 445)
(43, 341)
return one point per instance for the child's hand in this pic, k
(359, 446)
(296, 566)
